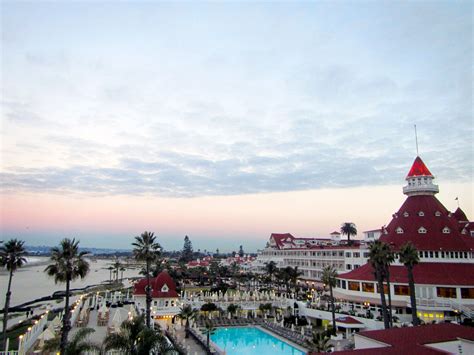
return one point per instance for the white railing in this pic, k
(450, 304)
(27, 340)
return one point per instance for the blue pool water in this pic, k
(249, 340)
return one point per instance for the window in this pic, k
(405, 214)
(366, 255)
(446, 230)
(436, 254)
(343, 284)
(422, 230)
(354, 286)
(426, 254)
(341, 253)
(446, 292)
(356, 255)
(338, 283)
(399, 230)
(467, 292)
(442, 254)
(456, 254)
(348, 254)
(437, 213)
(356, 266)
(421, 213)
(402, 290)
(348, 267)
(368, 287)
(431, 254)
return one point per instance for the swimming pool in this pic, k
(249, 340)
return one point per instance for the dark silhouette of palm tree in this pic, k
(76, 346)
(271, 269)
(409, 257)
(187, 313)
(377, 255)
(12, 257)
(208, 330)
(349, 229)
(67, 265)
(329, 278)
(147, 249)
(319, 342)
(134, 338)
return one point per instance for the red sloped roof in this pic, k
(426, 334)
(460, 215)
(418, 169)
(434, 239)
(413, 340)
(348, 320)
(279, 238)
(157, 284)
(461, 274)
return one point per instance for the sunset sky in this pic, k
(227, 121)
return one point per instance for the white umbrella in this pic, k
(117, 319)
(132, 311)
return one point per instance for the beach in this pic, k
(31, 282)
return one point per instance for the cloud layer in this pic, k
(182, 100)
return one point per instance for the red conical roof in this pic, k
(418, 169)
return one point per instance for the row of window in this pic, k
(444, 254)
(404, 290)
(422, 230)
(419, 213)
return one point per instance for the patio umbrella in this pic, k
(117, 319)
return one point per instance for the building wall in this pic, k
(362, 342)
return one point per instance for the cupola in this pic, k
(420, 180)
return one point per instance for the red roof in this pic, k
(461, 274)
(413, 340)
(348, 320)
(426, 211)
(460, 215)
(418, 169)
(157, 284)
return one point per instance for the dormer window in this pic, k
(421, 213)
(405, 214)
(165, 288)
(422, 230)
(446, 230)
(437, 213)
(399, 230)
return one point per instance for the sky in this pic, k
(227, 121)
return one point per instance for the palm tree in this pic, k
(271, 269)
(329, 278)
(349, 229)
(12, 257)
(209, 330)
(389, 259)
(110, 268)
(134, 338)
(377, 255)
(293, 275)
(319, 342)
(122, 269)
(232, 309)
(147, 249)
(187, 313)
(409, 257)
(67, 265)
(76, 346)
(117, 265)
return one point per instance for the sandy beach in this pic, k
(31, 282)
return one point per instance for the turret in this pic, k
(420, 180)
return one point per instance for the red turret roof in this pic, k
(460, 215)
(157, 284)
(418, 169)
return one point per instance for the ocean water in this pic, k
(31, 282)
(249, 341)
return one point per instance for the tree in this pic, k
(232, 309)
(389, 259)
(271, 269)
(76, 346)
(134, 338)
(409, 257)
(187, 313)
(12, 257)
(377, 255)
(187, 252)
(241, 251)
(147, 249)
(329, 278)
(110, 268)
(122, 269)
(68, 264)
(209, 329)
(319, 342)
(293, 274)
(349, 229)
(117, 265)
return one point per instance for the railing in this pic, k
(452, 305)
(27, 340)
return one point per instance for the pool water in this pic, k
(249, 340)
